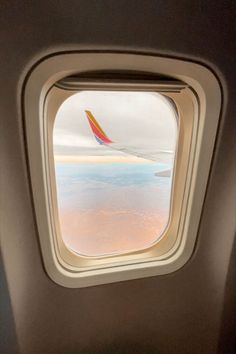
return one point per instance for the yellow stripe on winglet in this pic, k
(95, 123)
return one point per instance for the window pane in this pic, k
(114, 154)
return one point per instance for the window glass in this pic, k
(114, 155)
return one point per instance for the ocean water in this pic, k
(111, 207)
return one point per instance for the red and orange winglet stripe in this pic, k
(97, 130)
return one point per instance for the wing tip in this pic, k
(97, 129)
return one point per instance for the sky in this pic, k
(142, 120)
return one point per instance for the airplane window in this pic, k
(121, 159)
(114, 158)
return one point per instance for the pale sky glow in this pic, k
(143, 120)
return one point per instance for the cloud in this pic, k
(65, 138)
(144, 120)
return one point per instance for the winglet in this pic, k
(99, 134)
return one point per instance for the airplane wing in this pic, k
(103, 139)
